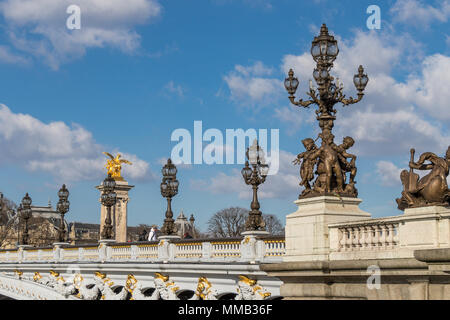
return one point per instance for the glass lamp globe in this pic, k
(246, 171)
(264, 170)
(291, 83)
(63, 193)
(26, 201)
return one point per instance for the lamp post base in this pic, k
(169, 237)
(24, 246)
(255, 233)
(106, 241)
(60, 244)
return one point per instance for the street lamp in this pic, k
(108, 199)
(324, 51)
(255, 176)
(329, 159)
(25, 212)
(62, 207)
(169, 189)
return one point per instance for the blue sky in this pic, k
(138, 70)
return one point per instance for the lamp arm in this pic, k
(351, 100)
(300, 102)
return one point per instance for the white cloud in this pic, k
(388, 173)
(172, 88)
(69, 153)
(390, 133)
(7, 56)
(417, 13)
(284, 184)
(38, 27)
(393, 116)
(248, 86)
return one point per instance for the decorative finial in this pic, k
(323, 30)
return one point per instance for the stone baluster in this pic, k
(376, 237)
(395, 236)
(391, 235)
(362, 241)
(366, 233)
(360, 236)
(354, 238)
(384, 237)
(345, 235)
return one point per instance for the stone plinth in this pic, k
(119, 213)
(307, 235)
(425, 227)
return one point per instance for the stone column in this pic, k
(307, 235)
(119, 213)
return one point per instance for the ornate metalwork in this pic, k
(62, 207)
(169, 189)
(108, 199)
(25, 214)
(114, 165)
(330, 160)
(255, 176)
(432, 189)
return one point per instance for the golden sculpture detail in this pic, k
(37, 276)
(247, 280)
(114, 165)
(203, 288)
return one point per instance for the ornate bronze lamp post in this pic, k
(62, 207)
(332, 165)
(255, 176)
(169, 189)
(25, 213)
(108, 199)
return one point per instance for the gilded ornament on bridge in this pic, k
(248, 289)
(204, 290)
(432, 189)
(114, 165)
(160, 276)
(37, 276)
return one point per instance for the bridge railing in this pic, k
(390, 237)
(264, 249)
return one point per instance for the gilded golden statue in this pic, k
(114, 165)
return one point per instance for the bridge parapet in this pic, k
(263, 250)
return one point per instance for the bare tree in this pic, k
(273, 224)
(42, 231)
(8, 222)
(230, 222)
(226, 223)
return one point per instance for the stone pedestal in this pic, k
(251, 248)
(307, 237)
(119, 213)
(425, 227)
(166, 250)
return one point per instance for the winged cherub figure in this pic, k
(114, 166)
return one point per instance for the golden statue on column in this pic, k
(114, 165)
